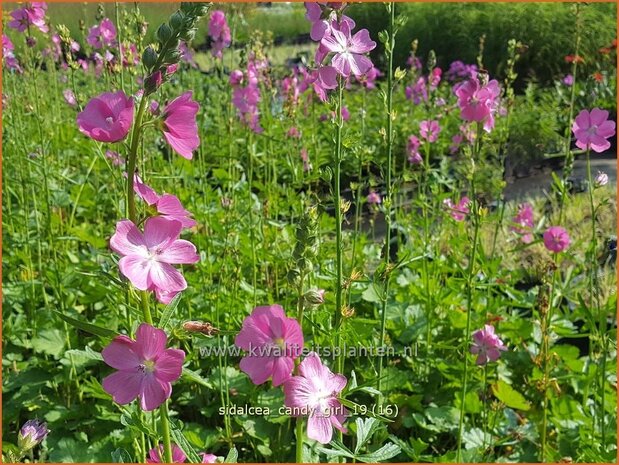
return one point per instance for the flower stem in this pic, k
(387, 201)
(132, 160)
(299, 435)
(469, 286)
(338, 223)
(165, 431)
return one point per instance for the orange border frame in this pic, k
(299, 1)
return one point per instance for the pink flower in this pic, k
(102, 35)
(107, 117)
(556, 239)
(349, 50)
(181, 129)
(315, 394)
(273, 342)
(323, 26)
(412, 147)
(33, 14)
(486, 345)
(374, 198)
(156, 454)
(568, 80)
(145, 367)
(219, 32)
(321, 80)
(477, 102)
(208, 458)
(429, 130)
(148, 258)
(458, 212)
(435, 78)
(418, 92)
(592, 129)
(601, 179)
(144, 191)
(169, 206)
(523, 222)
(369, 80)
(293, 132)
(236, 77)
(8, 56)
(307, 166)
(114, 157)
(456, 140)
(69, 97)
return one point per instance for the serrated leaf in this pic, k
(365, 429)
(233, 456)
(49, 341)
(121, 456)
(386, 452)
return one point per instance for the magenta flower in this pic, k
(486, 345)
(418, 92)
(107, 117)
(8, 57)
(321, 80)
(349, 50)
(315, 394)
(208, 458)
(323, 26)
(155, 455)
(568, 80)
(374, 198)
(33, 14)
(170, 207)
(458, 212)
(523, 222)
(272, 341)
(456, 140)
(236, 78)
(556, 239)
(181, 129)
(102, 35)
(429, 130)
(146, 369)
(592, 129)
(148, 258)
(477, 102)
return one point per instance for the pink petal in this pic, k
(298, 392)
(282, 370)
(259, 369)
(153, 393)
(166, 277)
(136, 269)
(160, 232)
(312, 368)
(178, 252)
(320, 429)
(336, 382)
(169, 365)
(582, 120)
(128, 240)
(123, 386)
(598, 116)
(150, 341)
(121, 354)
(361, 42)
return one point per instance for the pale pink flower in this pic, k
(219, 33)
(556, 239)
(146, 369)
(486, 345)
(374, 198)
(591, 130)
(323, 26)
(418, 92)
(168, 206)
(147, 258)
(208, 458)
(601, 179)
(181, 128)
(523, 222)
(69, 97)
(307, 166)
(458, 211)
(314, 393)
(107, 117)
(349, 50)
(272, 341)
(155, 455)
(429, 130)
(114, 157)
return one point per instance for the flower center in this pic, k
(592, 130)
(109, 120)
(147, 367)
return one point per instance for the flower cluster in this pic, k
(478, 102)
(246, 97)
(102, 35)
(219, 32)
(273, 342)
(33, 14)
(8, 57)
(487, 345)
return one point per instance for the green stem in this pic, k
(387, 201)
(131, 162)
(338, 223)
(469, 288)
(165, 432)
(299, 437)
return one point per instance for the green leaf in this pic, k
(509, 396)
(49, 341)
(121, 456)
(232, 456)
(180, 441)
(339, 450)
(365, 429)
(386, 452)
(169, 310)
(88, 327)
(195, 377)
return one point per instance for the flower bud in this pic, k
(601, 179)
(314, 296)
(31, 434)
(176, 20)
(149, 57)
(164, 33)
